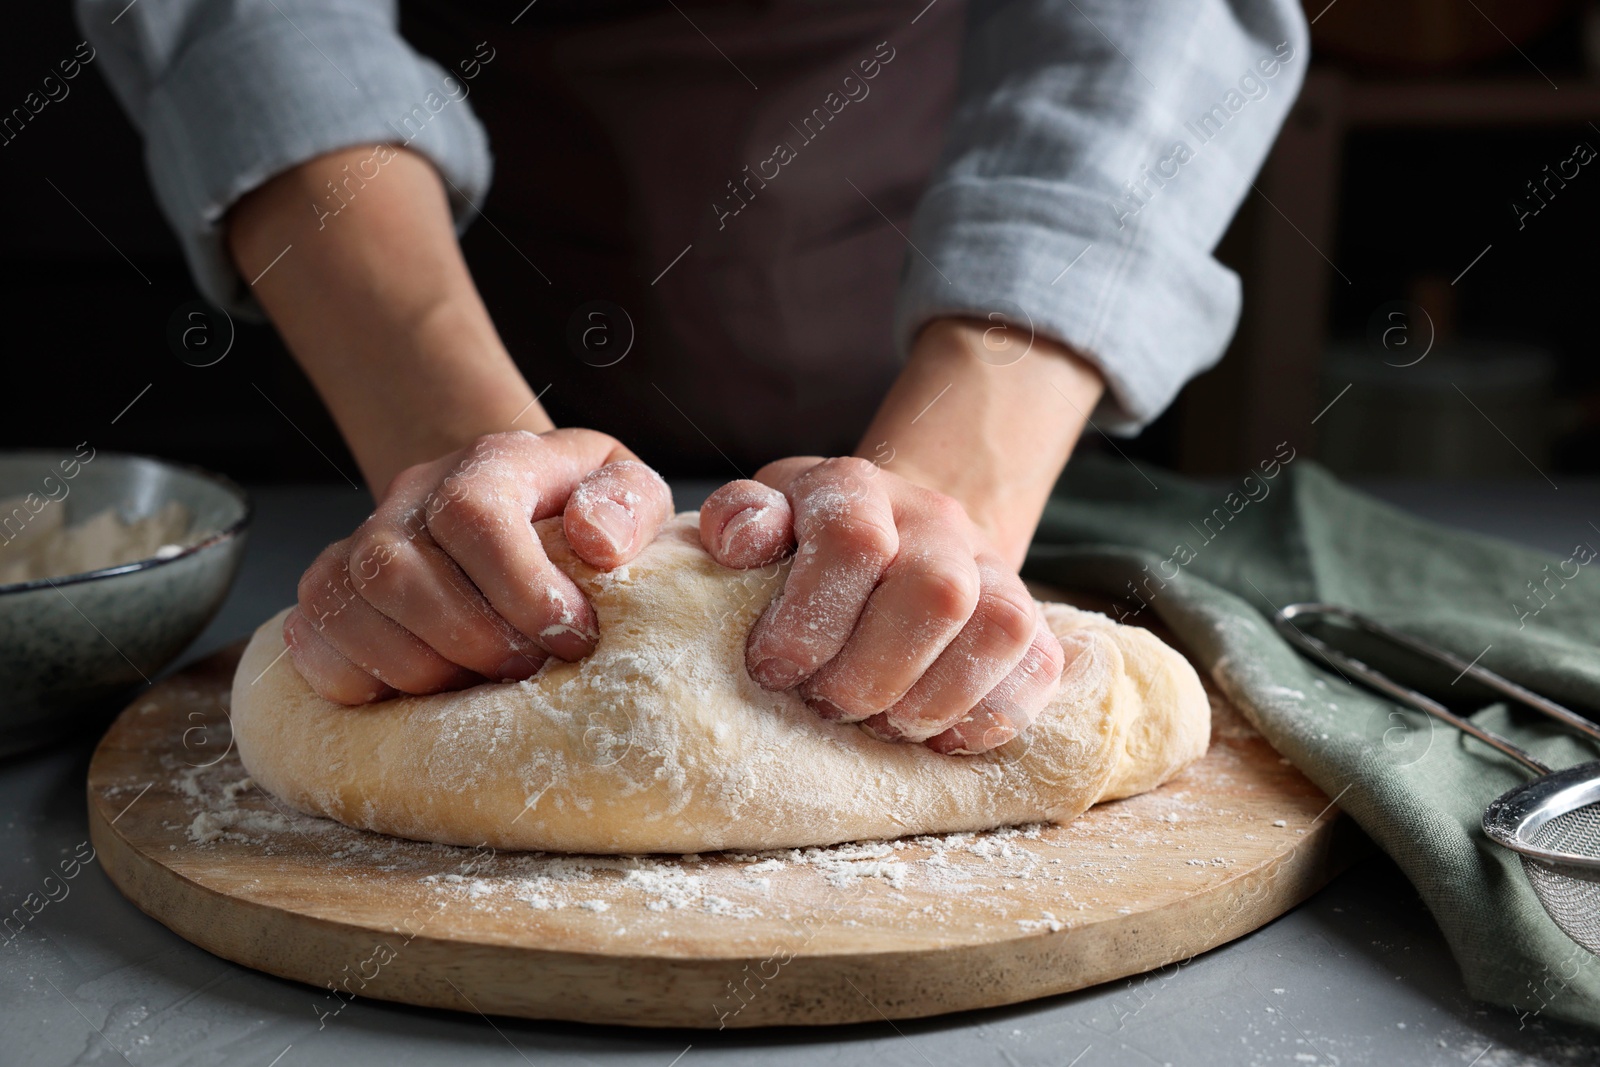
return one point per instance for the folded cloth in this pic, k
(1213, 563)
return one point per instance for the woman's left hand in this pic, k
(898, 613)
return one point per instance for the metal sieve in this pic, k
(1552, 822)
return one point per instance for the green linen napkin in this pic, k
(1213, 563)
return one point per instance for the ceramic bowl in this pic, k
(74, 647)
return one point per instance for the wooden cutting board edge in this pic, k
(659, 991)
(664, 990)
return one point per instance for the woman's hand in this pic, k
(898, 612)
(446, 585)
(901, 611)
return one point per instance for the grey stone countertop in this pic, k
(1357, 975)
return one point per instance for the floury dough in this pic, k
(660, 742)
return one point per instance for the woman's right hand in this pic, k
(446, 585)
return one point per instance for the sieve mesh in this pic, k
(1571, 895)
(1576, 831)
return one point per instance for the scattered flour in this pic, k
(1089, 864)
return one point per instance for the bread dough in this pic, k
(660, 742)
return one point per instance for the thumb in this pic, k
(615, 511)
(746, 524)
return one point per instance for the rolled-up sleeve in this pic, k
(229, 94)
(1097, 152)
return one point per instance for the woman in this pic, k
(886, 259)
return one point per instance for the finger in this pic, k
(365, 637)
(615, 511)
(988, 647)
(1013, 705)
(429, 595)
(846, 532)
(395, 566)
(921, 605)
(485, 525)
(746, 524)
(327, 672)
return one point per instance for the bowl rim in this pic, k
(227, 533)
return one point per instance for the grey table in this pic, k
(1357, 975)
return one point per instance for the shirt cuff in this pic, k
(256, 98)
(1147, 314)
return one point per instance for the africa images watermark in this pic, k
(407, 129)
(372, 562)
(1552, 982)
(23, 914)
(810, 128)
(52, 90)
(1252, 489)
(1582, 153)
(738, 995)
(26, 508)
(1543, 594)
(383, 953)
(1138, 192)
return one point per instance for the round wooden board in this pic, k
(844, 934)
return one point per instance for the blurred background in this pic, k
(1418, 285)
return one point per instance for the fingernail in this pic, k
(829, 710)
(880, 727)
(949, 743)
(777, 673)
(735, 528)
(519, 667)
(566, 642)
(615, 523)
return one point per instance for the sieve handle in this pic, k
(1504, 686)
(1283, 620)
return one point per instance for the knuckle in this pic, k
(411, 476)
(1008, 612)
(373, 551)
(858, 530)
(488, 444)
(311, 583)
(842, 478)
(597, 439)
(849, 467)
(454, 490)
(836, 504)
(946, 510)
(322, 591)
(489, 449)
(944, 590)
(861, 535)
(628, 469)
(468, 517)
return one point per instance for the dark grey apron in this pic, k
(719, 210)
